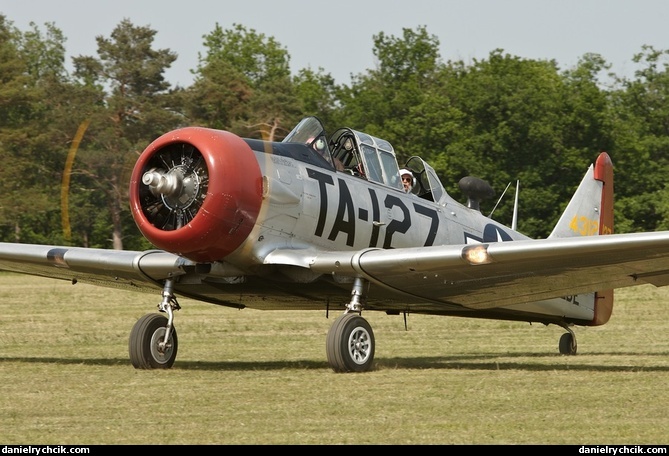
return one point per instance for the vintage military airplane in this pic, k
(318, 222)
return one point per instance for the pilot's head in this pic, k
(407, 179)
(320, 145)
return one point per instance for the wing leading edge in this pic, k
(132, 270)
(519, 272)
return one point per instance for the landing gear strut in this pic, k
(153, 340)
(350, 341)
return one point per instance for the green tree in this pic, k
(32, 82)
(507, 119)
(317, 93)
(218, 97)
(243, 84)
(382, 102)
(138, 106)
(641, 159)
(16, 110)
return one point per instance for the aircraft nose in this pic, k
(196, 192)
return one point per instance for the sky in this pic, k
(337, 35)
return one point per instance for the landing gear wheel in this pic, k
(350, 344)
(567, 344)
(145, 339)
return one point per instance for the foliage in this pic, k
(317, 93)
(381, 101)
(31, 68)
(249, 73)
(641, 130)
(137, 108)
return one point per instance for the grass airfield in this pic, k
(253, 377)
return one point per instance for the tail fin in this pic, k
(590, 213)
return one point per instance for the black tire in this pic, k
(350, 344)
(567, 344)
(145, 337)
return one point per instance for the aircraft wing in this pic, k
(513, 272)
(132, 270)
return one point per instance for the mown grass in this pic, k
(252, 377)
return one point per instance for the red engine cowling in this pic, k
(196, 192)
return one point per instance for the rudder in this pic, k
(604, 174)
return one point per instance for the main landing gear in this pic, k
(153, 340)
(349, 344)
(350, 341)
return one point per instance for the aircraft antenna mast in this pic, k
(514, 223)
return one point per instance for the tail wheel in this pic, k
(567, 344)
(145, 343)
(350, 344)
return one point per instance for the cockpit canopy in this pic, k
(365, 156)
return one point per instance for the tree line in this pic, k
(69, 140)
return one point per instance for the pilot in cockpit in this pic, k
(407, 179)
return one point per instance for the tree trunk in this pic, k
(115, 212)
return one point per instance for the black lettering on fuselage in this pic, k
(345, 217)
(572, 299)
(396, 226)
(376, 217)
(322, 179)
(434, 222)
